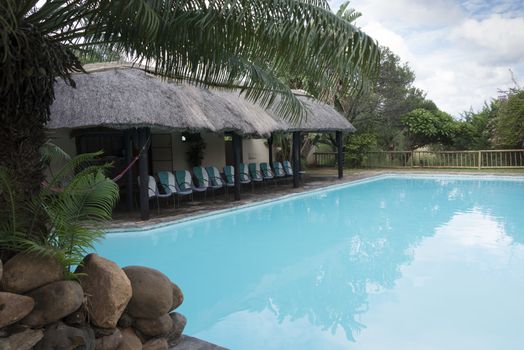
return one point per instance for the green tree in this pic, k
(475, 130)
(424, 127)
(509, 127)
(245, 44)
(392, 95)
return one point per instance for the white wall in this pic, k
(215, 152)
(255, 150)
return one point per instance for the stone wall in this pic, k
(104, 307)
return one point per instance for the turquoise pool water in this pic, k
(394, 262)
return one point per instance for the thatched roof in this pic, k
(124, 97)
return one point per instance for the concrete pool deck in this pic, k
(314, 179)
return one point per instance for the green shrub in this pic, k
(72, 205)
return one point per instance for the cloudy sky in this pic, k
(460, 50)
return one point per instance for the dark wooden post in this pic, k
(296, 159)
(237, 143)
(340, 154)
(128, 144)
(143, 136)
(270, 145)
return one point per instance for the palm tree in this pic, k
(246, 44)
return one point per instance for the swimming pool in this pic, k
(393, 262)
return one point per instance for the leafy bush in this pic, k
(356, 148)
(196, 147)
(72, 205)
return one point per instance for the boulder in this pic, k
(14, 307)
(152, 292)
(178, 297)
(154, 327)
(107, 288)
(24, 340)
(109, 342)
(129, 340)
(54, 302)
(25, 272)
(179, 323)
(59, 336)
(1, 269)
(156, 344)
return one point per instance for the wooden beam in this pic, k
(128, 147)
(143, 136)
(340, 154)
(237, 146)
(296, 159)
(270, 145)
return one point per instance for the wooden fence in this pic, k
(484, 159)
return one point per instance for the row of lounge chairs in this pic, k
(180, 183)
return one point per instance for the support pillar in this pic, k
(143, 170)
(237, 145)
(128, 149)
(340, 154)
(296, 159)
(270, 145)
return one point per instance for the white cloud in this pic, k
(461, 51)
(499, 39)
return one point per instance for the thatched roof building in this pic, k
(123, 97)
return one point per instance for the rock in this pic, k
(22, 341)
(107, 288)
(154, 327)
(14, 307)
(25, 272)
(60, 336)
(179, 323)
(129, 340)
(1, 269)
(156, 344)
(89, 335)
(54, 302)
(178, 297)
(152, 292)
(125, 321)
(109, 342)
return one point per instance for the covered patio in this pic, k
(125, 109)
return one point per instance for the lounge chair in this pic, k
(288, 168)
(216, 179)
(279, 170)
(255, 173)
(185, 182)
(229, 172)
(153, 192)
(204, 180)
(267, 173)
(168, 182)
(244, 174)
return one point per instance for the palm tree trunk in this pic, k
(27, 77)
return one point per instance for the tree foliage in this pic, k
(424, 127)
(509, 132)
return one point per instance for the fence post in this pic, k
(412, 154)
(480, 159)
